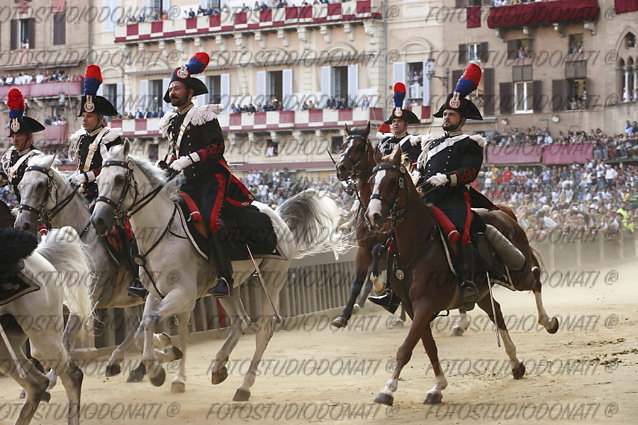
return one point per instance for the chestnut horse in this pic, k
(356, 163)
(429, 286)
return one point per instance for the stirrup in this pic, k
(468, 295)
(222, 288)
(137, 289)
(387, 300)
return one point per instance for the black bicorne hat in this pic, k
(197, 64)
(398, 111)
(457, 100)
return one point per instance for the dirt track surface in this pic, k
(587, 373)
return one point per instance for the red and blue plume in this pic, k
(92, 80)
(15, 102)
(197, 63)
(399, 94)
(469, 81)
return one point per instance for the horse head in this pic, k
(392, 190)
(114, 187)
(356, 153)
(39, 192)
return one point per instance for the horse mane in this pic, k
(156, 175)
(44, 161)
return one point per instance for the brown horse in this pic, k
(356, 163)
(429, 286)
(6, 218)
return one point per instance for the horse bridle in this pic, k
(394, 212)
(130, 182)
(45, 217)
(354, 173)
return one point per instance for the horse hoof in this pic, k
(177, 353)
(383, 398)
(161, 340)
(219, 376)
(158, 380)
(46, 397)
(241, 395)
(178, 387)
(356, 308)
(397, 323)
(113, 369)
(339, 322)
(457, 331)
(553, 326)
(23, 394)
(519, 371)
(433, 398)
(137, 374)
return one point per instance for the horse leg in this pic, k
(462, 325)
(239, 322)
(435, 395)
(363, 296)
(113, 366)
(35, 383)
(422, 315)
(518, 369)
(362, 263)
(183, 335)
(551, 325)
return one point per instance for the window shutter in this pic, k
(119, 97)
(488, 92)
(59, 29)
(31, 32)
(286, 90)
(484, 53)
(14, 34)
(398, 72)
(559, 95)
(456, 75)
(512, 49)
(537, 100)
(224, 91)
(462, 54)
(530, 47)
(143, 96)
(459, 3)
(261, 87)
(427, 65)
(325, 85)
(506, 97)
(353, 84)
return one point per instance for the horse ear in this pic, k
(104, 151)
(127, 147)
(347, 129)
(397, 154)
(368, 129)
(377, 154)
(50, 162)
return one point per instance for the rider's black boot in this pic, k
(223, 266)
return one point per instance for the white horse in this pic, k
(177, 274)
(48, 199)
(59, 268)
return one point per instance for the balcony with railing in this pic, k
(540, 13)
(43, 90)
(316, 119)
(229, 21)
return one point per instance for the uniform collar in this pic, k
(401, 135)
(25, 150)
(454, 133)
(95, 132)
(185, 110)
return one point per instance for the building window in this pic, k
(523, 97)
(474, 52)
(340, 82)
(415, 81)
(575, 44)
(274, 86)
(272, 148)
(630, 41)
(59, 29)
(155, 94)
(110, 93)
(335, 144)
(215, 89)
(576, 94)
(519, 49)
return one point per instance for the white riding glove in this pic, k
(180, 163)
(439, 179)
(82, 177)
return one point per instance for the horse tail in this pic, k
(312, 217)
(63, 249)
(538, 260)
